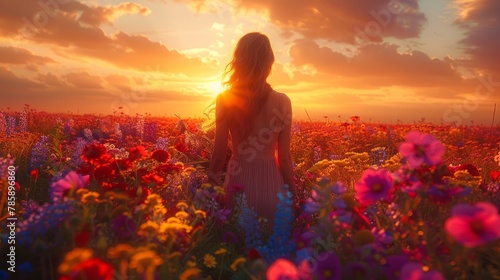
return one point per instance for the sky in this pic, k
(384, 60)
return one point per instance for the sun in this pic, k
(215, 87)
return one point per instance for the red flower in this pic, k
(82, 238)
(161, 156)
(94, 152)
(494, 175)
(254, 254)
(181, 147)
(34, 174)
(92, 268)
(137, 152)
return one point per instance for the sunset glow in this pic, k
(383, 60)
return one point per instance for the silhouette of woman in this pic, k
(257, 121)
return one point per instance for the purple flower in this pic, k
(230, 237)
(68, 185)
(123, 227)
(373, 186)
(328, 267)
(421, 148)
(416, 271)
(392, 268)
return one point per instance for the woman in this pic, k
(258, 120)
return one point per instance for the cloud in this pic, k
(13, 55)
(480, 21)
(12, 83)
(83, 80)
(375, 65)
(335, 20)
(74, 32)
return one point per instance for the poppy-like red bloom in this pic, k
(416, 271)
(93, 152)
(34, 174)
(137, 152)
(282, 269)
(93, 268)
(160, 155)
(495, 175)
(421, 148)
(374, 185)
(181, 147)
(474, 225)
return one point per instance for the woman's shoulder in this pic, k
(282, 97)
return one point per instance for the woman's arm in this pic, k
(218, 158)
(284, 155)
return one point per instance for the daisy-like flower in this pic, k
(209, 261)
(374, 185)
(221, 251)
(421, 148)
(474, 225)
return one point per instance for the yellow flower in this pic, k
(221, 251)
(182, 205)
(153, 200)
(173, 220)
(73, 257)
(192, 273)
(209, 261)
(239, 261)
(182, 215)
(219, 190)
(120, 251)
(144, 260)
(189, 169)
(191, 262)
(148, 229)
(201, 213)
(175, 254)
(90, 197)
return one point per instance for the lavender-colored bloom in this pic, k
(161, 144)
(11, 125)
(39, 153)
(88, 134)
(79, 146)
(150, 131)
(3, 124)
(139, 127)
(23, 121)
(68, 127)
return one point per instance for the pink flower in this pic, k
(68, 185)
(474, 225)
(421, 148)
(373, 186)
(282, 269)
(416, 271)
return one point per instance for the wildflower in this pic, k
(221, 251)
(239, 261)
(182, 215)
(148, 229)
(209, 261)
(74, 257)
(123, 226)
(68, 185)
(201, 213)
(182, 205)
(421, 148)
(137, 152)
(90, 198)
(416, 271)
(160, 156)
(191, 273)
(497, 158)
(93, 152)
(474, 225)
(93, 268)
(373, 186)
(230, 237)
(329, 266)
(145, 261)
(120, 251)
(282, 269)
(392, 268)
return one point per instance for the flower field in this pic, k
(124, 197)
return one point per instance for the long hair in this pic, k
(247, 87)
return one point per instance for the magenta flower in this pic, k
(474, 225)
(416, 271)
(328, 267)
(373, 186)
(68, 185)
(282, 269)
(421, 148)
